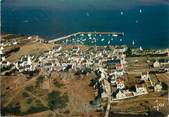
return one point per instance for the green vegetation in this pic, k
(55, 100)
(39, 80)
(4, 68)
(57, 84)
(12, 49)
(128, 52)
(24, 94)
(38, 107)
(15, 109)
(29, 88)
(29, 100)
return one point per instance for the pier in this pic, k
(61, 39)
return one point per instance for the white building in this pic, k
(120, 95)
(145, 76)
(140, 90)
(158, 87)
(156, 64)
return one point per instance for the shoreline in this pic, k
(49, 39)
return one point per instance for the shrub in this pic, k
(24, 94)
(165, 86)
(57, 84)
(37, 108)
(29, 100)
(29, 88)
(40, 78)
(55, 100)
(15, 109)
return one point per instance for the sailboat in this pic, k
(141, 49)
(89, 35)
(102, 39)
(133, 43)
(140, 11)
(121, 13)
(115, 35)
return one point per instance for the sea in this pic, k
(145, 23)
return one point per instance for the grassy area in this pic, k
(34, 48)
(137, 64)
(33, 99)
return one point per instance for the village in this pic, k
(120, 73)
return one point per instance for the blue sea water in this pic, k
(149, 29)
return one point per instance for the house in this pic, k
(145, 76)
(166, 67)
(2, 48)
(153, 80)
(104, 94)
(156, 64)
(120, 49)
(119, 73)
(1, 53)
(25, 64)
(158, 87)
(120, 95)
(128, 93)
(112, 79)
(119, 66)
(140, 90)
(123, 94)
(5, 63)
(120, 83)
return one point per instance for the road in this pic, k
(108, 90)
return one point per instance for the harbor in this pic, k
(88, 36)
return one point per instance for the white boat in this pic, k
(89, 35)
(112, 39)
(120, 39)
(136, 21)
(115, 35)
(141, 49)
(133, 43)
(102, 39)
(87, 14)
(108, 42)
(121, 13)
(140, 11)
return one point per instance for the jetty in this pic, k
(61, 39)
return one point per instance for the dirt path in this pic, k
(18, 90)
(40, 99)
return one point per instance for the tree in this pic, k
(40, 80)
(132, 88)
(55, 100)
(164, 86)
(129, 51)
